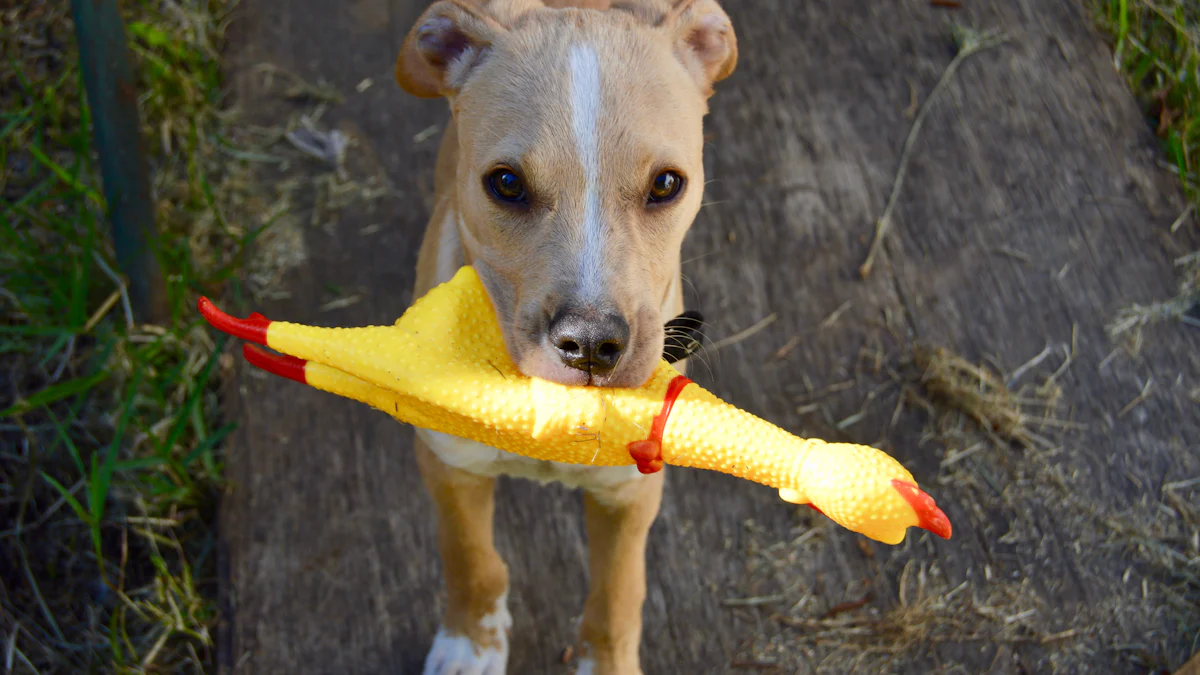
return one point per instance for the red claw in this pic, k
(929, 516)
(277, 364)
(252, 328)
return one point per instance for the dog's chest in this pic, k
(484, 460)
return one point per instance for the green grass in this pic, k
(110, 461)
(1156, 45)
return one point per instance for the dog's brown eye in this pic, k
(506, 185)
(666, 186)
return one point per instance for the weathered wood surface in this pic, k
(1035, 206)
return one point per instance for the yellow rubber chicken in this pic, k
(443, 366)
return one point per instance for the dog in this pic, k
(568, 177)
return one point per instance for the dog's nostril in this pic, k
(609, 350)
(592, 345)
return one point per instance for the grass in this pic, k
(1156, 45)
(111, 460)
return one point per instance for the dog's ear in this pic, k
(704, 39)
(442, 47)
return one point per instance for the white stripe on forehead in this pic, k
(585, 115)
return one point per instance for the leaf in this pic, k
(70, 498)
(209, 443)
(65, 177)
(56, 392)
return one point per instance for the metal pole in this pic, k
(112, 97)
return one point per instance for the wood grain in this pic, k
(1035, 208)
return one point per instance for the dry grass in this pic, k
(955, 387)
(811, 626)
(822, 611)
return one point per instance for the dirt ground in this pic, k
(1035, 208)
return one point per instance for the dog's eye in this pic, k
(666, 186)
(506, 185)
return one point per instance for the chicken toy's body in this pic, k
(443, 366)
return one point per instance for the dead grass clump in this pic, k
(1177, 308)
(956, 388)
(860, 637)
(1167, 545)
(999, 614)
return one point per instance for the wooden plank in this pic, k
(1034, 210)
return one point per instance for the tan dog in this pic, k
(568, 177)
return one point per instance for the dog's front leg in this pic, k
(618, 522)
(473, 637)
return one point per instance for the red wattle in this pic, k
(648, 453)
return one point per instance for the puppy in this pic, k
(568, 177)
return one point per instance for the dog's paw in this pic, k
(453, 654)
(458, 655)
(586, 667)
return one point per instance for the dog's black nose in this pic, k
(593, 345)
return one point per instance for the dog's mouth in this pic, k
(579, 346)
(589, 348)
(580, 359)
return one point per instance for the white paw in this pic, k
(458, 655)
(585, 667)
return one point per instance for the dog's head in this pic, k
(579, 135)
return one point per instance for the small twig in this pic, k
(1181, 485)
(837, 314)
(66, 359)
(58, 504)
(953, 457)
(744, 334)
(1141, 398)
(12, 645)
(970, 42)
(99, 313)
(37, 594)
(849, 606)
(1182, 217)
(754, 665)
(753, 602)
(787, 347)
(25, 659)
(340, 303)
(120, 287)
(1027, 366)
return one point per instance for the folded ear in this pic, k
(442, 47)
(704, 39)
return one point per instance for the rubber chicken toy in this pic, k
(443, 366)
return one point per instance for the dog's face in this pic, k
(579, 169)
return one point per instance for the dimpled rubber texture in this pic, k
(443, 366)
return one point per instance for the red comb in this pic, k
(252, 328)
(929, 516)
(277, 364)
